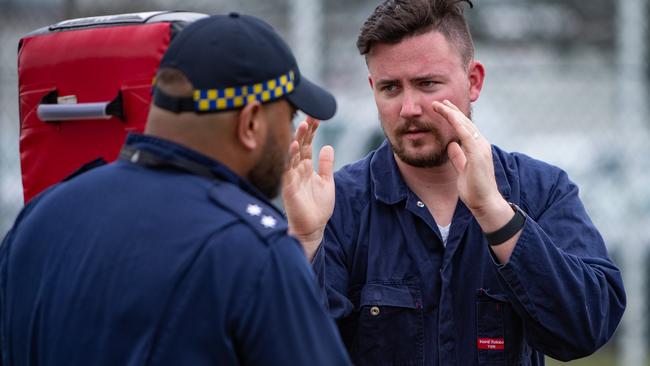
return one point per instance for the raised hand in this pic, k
(308, 196)
(472, 159)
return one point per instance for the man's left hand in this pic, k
(477, 187)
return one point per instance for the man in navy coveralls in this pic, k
(173, 254)
(441, 248)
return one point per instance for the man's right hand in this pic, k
(308, 196)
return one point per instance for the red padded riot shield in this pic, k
(83, 85)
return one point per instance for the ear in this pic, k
(476, 75)
(251, 127)
(371, 82)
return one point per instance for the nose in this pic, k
(410, 105)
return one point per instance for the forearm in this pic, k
(310, 242)
(570, 300)
(493, 218)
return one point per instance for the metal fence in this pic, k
(566, 83)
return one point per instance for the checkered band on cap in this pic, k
(236, 97)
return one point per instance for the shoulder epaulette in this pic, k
(264, 220)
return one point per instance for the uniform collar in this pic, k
(169, 150)
(390, 188)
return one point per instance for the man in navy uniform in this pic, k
(173, 255)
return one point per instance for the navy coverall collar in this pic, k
(170, 150)
(390, 188)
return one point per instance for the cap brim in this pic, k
(313, 100)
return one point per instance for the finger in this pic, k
(305, 147)
(457, 120)
(465, 121)
(313, 126)
(326, 162)
(294, 155)
(469, 125)
(301, 131)
(448, 103)
(457, 157)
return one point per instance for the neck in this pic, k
(201, 135)
(435, 186)
(432, 179)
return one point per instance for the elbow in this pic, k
(598, 323)
(587, 336)
(576, 350)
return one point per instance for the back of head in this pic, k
(189, 129)
(393, 20)
(173, 82)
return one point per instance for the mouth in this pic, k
(415, 133)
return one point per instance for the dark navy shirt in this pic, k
(402, 298)
(131, 265)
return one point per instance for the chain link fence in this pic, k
(566, 83)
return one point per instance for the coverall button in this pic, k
(374, 311)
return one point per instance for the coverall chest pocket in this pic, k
(497, 336)
(390, 326)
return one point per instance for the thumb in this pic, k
(457, 157)
(326, 162)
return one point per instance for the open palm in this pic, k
(308, 196)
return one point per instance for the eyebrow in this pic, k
(383, 82)
(427, 77)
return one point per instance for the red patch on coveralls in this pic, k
(491, 343)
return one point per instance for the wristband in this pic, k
(508, 230)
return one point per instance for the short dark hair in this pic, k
(394, 20)
(173, 82)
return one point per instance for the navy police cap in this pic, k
(234, 59)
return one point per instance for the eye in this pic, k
(428, 83)
(388, 88)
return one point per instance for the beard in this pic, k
(267, 173)
(435, 156)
